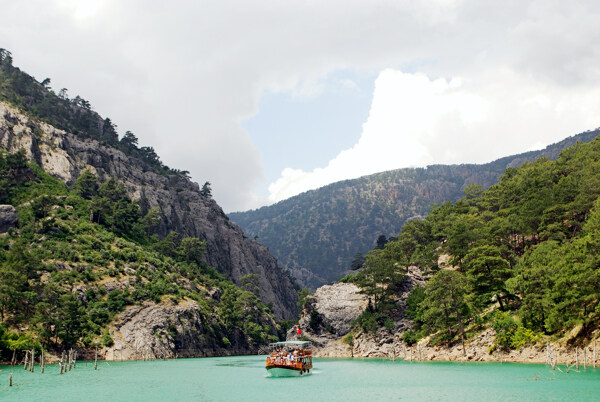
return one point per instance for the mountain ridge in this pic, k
(317, 234)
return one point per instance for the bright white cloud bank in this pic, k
(416, 121)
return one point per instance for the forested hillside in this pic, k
(522, 257)
(318, 234)
(83, 140)
(80, 256)
(103, 245)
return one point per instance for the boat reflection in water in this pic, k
(291, 358)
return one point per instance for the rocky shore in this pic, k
(328, 315)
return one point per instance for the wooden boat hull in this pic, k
(289, 359)
(285, 371)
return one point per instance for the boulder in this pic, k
(8, 218)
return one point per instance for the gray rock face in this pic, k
(335, 307)
(8, 218)
(328, 317)
(340, 304)
(184, 208)
(152, 331)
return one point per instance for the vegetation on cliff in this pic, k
(81, 254)
(522, 257)
(90, 142)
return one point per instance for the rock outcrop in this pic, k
(327, 317)
(185, 209)
(166, 330)
(329, 314)
(340, 304)
(8, 218)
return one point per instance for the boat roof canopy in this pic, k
(291, 343)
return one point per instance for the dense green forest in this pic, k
(523, 257)
(320, 232)
(60, 269)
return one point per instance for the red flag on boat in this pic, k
(298, 330)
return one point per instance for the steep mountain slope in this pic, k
(80, 139)
(316, 234)
(79, 269)
(510, 270)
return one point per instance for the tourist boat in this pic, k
(291, 358)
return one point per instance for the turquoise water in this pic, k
(244, 378)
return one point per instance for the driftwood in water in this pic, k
(594, 353)
(62, 363)
(575, 365)
(10, 379)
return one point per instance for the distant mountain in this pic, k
(317, 234)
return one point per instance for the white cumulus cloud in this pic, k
(415, 121)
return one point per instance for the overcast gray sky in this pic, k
(266, 99)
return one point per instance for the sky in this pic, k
(268, 99)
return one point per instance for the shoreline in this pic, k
(478, 349)
(568, 360)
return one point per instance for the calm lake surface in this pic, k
(244, 378)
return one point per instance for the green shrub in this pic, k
(350, 278)
(117, 300)
(348, 339)
(410, 337)
(505, 327)
(371, 321)
(510, 334)
(107, 340)
(523, 336)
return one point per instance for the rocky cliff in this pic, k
(328, 318)
(184, 208)
(168, 330)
